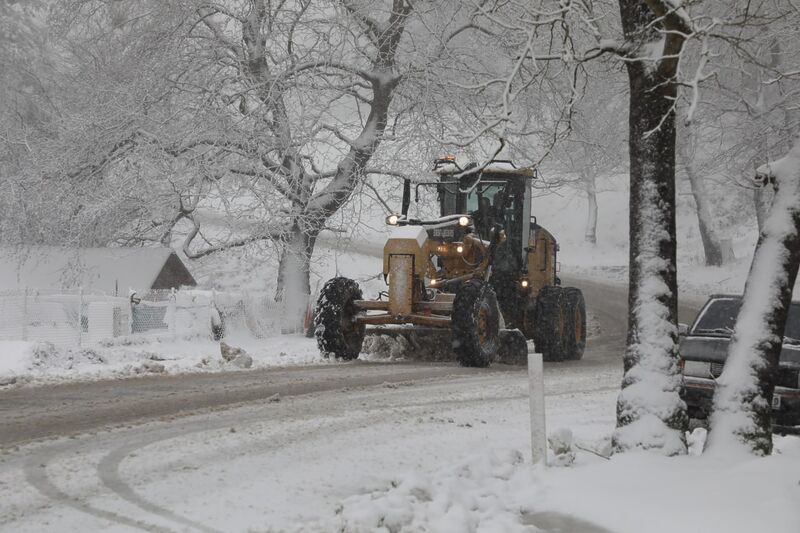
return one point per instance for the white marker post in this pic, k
(536, 391)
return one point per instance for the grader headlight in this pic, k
(460, 249)
(524, 283)
(463, 221)
(392, 220)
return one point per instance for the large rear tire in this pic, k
(335, 326)
(476, 324)
(575, 314)
(549, 326)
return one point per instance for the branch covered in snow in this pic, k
(742, 416)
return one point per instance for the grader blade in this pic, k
(409, 342)
(436, 344)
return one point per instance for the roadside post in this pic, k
(536, 393)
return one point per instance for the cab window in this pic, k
(485, 204)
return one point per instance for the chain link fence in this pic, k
(76, 317)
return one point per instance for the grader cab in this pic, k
(484, 271)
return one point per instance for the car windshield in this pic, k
(719, 318)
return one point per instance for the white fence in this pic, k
(76, 317)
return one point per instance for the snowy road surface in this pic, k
(175, 453)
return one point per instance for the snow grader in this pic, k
(483, 274)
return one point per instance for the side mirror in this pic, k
(683, 329)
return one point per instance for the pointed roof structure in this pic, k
(108, 270)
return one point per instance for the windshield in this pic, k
(486, 205)
(719, 318)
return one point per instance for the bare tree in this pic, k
(650, 413)
(273, 114)
(712, 244)
(664, 48)
(742, 415)
(595, 149)
(658, 37)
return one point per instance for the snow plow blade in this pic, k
(435, 344)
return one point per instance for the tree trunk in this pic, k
(294, 269)
(742, 414)
(650, 413)
(712, 247)
(590, 235)
(761, 198)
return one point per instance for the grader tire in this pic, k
(575, 314)
(337, 332)
(548, 331)
(476, 324)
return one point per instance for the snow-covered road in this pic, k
(283, 464)
(34, 412)
(293, 461)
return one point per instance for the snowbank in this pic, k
(633, 492)
(40, 363)
(15, 358)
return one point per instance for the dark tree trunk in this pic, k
(650, 413)
(743, 396)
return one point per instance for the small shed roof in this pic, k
(101, 269)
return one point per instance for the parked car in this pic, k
(704, 347)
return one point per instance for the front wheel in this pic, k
(476, 324)
(335, 320)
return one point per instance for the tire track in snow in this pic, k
(135, 443)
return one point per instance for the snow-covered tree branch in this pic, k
(742, 416)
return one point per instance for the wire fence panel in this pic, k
(53, 317)
(76, 318)
(41, 315)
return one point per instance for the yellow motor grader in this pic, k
(485, 261)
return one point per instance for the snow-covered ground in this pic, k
(442, 455)
(26, 363)
(358, 257)
(36, 363)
